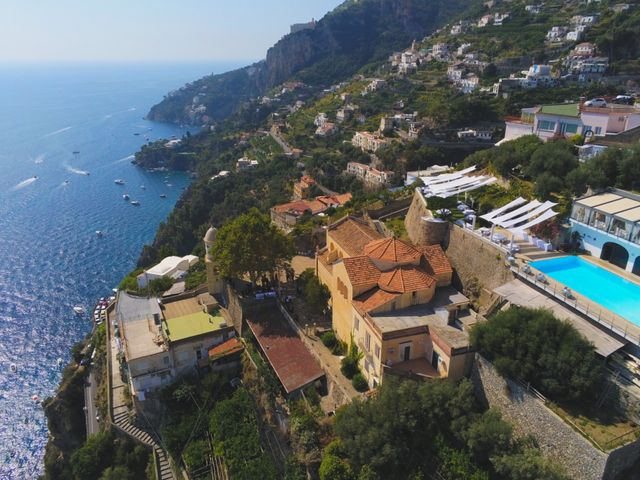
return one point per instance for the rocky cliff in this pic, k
(355, 34)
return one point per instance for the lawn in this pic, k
(602, 426)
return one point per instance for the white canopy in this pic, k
(527, 216)
(449, 184)
(545, 216)
(504, 208)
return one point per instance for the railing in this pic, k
(611, 321)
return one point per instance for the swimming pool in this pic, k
(601, 286)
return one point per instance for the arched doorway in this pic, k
(636, 267)
(616, 254)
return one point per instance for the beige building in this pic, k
(394, 300)
(214, 279)
(162, 341)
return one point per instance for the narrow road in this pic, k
(285, 146)
(90, 410)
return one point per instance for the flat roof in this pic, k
(521, 294)
(564, 109)
(180, 308)
(142, 338)
(618, 205)
(632, 215)
(596, 200)
(131, 307)
(192, 325)
(433, 315)
(295, 367)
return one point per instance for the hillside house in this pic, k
(170, 267)
(396, 302)
(286, 215)
(302, 188)
(370, 176)
(368, 142)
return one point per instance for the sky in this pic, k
(148, 30)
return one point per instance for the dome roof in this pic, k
(405, 279)
(210, 236)
(393, 250)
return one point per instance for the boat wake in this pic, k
(39, 159)
(77, 171)
(56, 132)
(128, 157)
(24, 183)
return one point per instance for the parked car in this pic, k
(624, 100)
(596, 102)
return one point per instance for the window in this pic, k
(356, 323)
(199, 354)
(367, 341)
(570, 128)
(377, 351)
(165, 360)
(598, 130)
(546, 125)
(579, 213)
(414, 298)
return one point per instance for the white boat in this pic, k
(142, 187)
(162, 195)
(125, 197)
(135, 203)
(78, 309)
(13, 368)
(119, 181)
(99, 233)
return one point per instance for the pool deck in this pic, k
(624, 329)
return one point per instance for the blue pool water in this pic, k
(603, 287)
(50, 257)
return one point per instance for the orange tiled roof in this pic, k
(405, 279)
(297, 206)
(436, 260)
(334, 199)
(393, 250)
(373, 299)
(231, 346)
(361, 270)
(352, 235)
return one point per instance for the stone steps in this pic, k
(122, 421)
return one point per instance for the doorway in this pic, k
(406, 353)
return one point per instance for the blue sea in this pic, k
(52, 202)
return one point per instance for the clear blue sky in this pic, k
(148, 30)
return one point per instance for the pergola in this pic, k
(450, 184)
(519, 215)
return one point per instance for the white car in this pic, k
(596, 102)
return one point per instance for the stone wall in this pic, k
(529, 416)
(475, 261)
(420, 225)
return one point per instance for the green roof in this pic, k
(188, 326)
(564, 109)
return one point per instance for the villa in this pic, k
(567, 119)
(369, 175)
(368, 142)
(609, 227)
(395, 302)
(170, 267)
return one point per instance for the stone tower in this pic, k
(214, 281)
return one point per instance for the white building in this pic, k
(368, 142)
(609, 227)
(369, 175)
(171, 267)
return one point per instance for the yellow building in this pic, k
(396, 302)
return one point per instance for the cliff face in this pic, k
(355, 34)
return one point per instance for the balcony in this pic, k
(418, 368)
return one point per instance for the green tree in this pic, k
(251, 245)
(534, 346)
(527, 465)
(316, 295)
(335, 468)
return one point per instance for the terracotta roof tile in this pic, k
(405, 279)
(436, 262)
(231, 346)
(352, 235)
(393, 250)
(373, 299)
(361, 270)
(298, 206)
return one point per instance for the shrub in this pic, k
(359, 382)
(328, 339)
(335, 468)
(349, 367)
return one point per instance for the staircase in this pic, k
(123, 423)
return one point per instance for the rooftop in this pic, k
(142, 338)
(405, 279)
(131, 307)
(616, 202)
(290, 359)
(169, 263)
(192, 325)
(352, 234)
(564, 109)
(230, 347)
(393, 250)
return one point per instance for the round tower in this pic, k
(214, 281)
